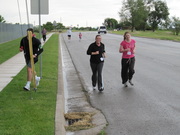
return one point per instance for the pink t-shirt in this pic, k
(130, 45)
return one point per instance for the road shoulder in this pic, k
(75, 98)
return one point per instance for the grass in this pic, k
(79, 121)
(21, 115)
(102, 133)
(10, 49)
(159, 34)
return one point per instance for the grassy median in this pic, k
(32, 113)
(159, 34)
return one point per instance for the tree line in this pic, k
(53, 26)
(134, 15)
(144, 15)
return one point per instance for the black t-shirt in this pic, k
(93, 48)
(25, 44)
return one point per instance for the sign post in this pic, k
(40, 7)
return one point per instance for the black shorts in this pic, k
(28, 62)
(69, 35)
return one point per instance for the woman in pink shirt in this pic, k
(127, 48)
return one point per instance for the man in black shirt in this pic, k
(24, 46)
(97, 52)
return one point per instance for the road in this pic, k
(152, 105)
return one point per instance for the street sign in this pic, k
(39, 6)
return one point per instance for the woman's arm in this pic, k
(89, 51)
(121, 49)
(104, 55)
(134, 49)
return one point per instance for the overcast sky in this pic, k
(80, 13)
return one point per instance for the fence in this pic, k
(10, 32)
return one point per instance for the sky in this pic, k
(78, 13)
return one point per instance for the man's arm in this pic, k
(21, 47)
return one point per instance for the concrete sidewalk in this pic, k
(12, 67)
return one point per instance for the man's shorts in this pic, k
(28, 62)
(69, 35)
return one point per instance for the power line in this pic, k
(20, 17)
(27, 13)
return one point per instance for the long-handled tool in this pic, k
(32, 59)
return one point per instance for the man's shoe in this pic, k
(131, 82)
(94, 88)
(27, 87)
(38, 80)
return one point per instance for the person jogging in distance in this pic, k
(24, 46)
(69, 33)
(97, 52)
(127, 48)
(44, 34)
(80, 36)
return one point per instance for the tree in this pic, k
(124, 15)
(143, 11)
(166, 23)
(136, 13)
(60, 26)
(2, 19)
(48, 26)
(124, 25)
(158, 14)
(110, 23)
(129, 12)
(176, 25)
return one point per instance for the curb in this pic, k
(60, 104)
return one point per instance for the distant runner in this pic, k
(80, 36)
(44, 34)
(69, 33)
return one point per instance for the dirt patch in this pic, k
(79, 121)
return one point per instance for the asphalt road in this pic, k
(152, 105)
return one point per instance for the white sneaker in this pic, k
(101, 89)
(131, 82)
(38, 80)
(94, 88)
(27, 87)
(125, 85)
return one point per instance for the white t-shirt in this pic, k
(68, 32)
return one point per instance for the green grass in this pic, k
(22, 115)
(102, 133)
(159, 34)
(9, 49)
